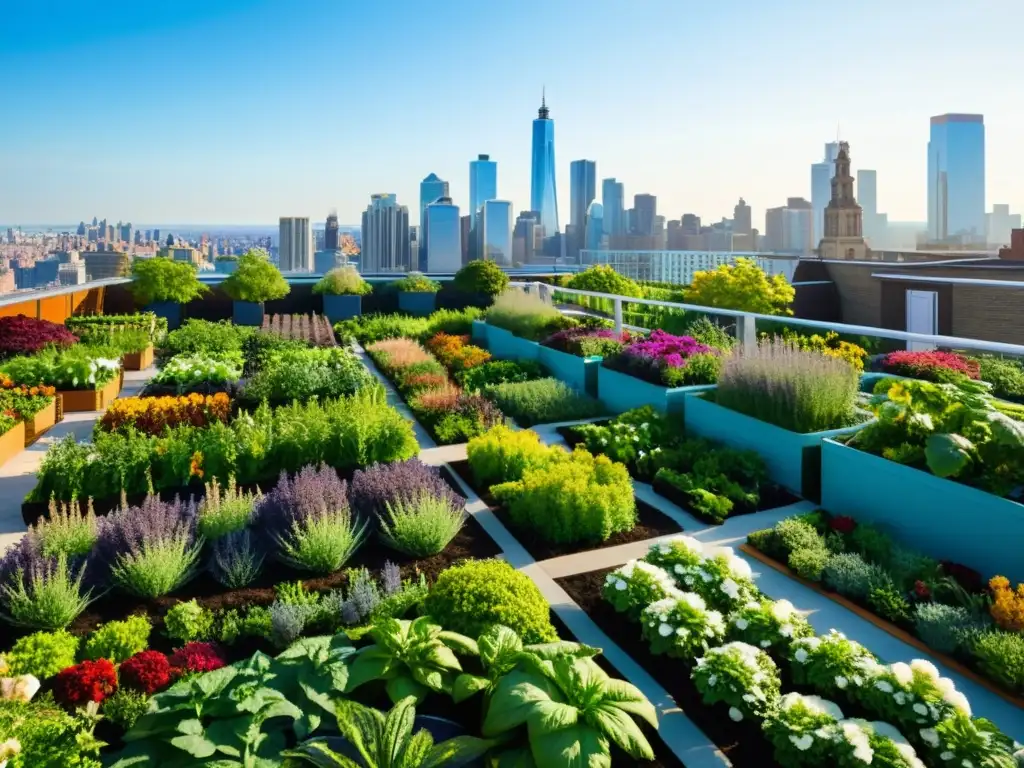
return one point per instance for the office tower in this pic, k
(690, 224)
(821, 187)
(324, 261)
(543, 197)
(81, 229)
(331, 232)
(645, 208)
(524, 237)
(790, 228)
(1001, 223)
(595, 226)
(496, 232)
(156, 236)
(844, 222)
(431, 188)
(613, 203)
(414, 248)
(295, 245)
(138, 237)
(741, 218)
(582, 190)
(385, 235)
(867, 196)
(956, 179)
(94, 221)
(483, 184)
(124, 232)
(467, 235)
(442, 237)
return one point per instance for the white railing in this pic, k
(746, 322)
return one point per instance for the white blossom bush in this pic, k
(676, 555)
(636, 585)
(911, 696)
(740, 676)
(682, 627)
(890, 749)
(803, 730)
(724, 581)
(960, 742)
(771, 625)
(831, 661)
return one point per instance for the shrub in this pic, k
(23, 335)
(1006, 376)
(152, 415)
(74, 368)
(343, 281)
(768, 624)
(118, 640)
(543, 401)
(503, 454)
(189, 621)
(44, 592)
(370, 329)
(888, 601)
(1007, 604)
(164, 279)
(601, 278)
(124, 708)
(481, 276)
(809, 563)
(456, 353)
(47, 736)
(302, 374)
(701, 627)
(588, 342)
(525, 315)
(663, 359)
(743, 286)
(42, 654)
(931, 366)
(421, 526)
(225, 510)
(416, 282)
(202, 337)
(581, 498)
(942, 627)
(85, 682)
(741, 676)
(849, 575)
(373, 488)
(709, 333)
(800, 391)
(255, 279)
(636, 585)
(185, 371)
(236, 559)
(471, 597)
(1000, 655)
(498, 372)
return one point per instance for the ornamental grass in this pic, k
(152, 415)
(395, 354)
(797, 390)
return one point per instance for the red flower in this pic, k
(921, 590)
(146, 672)
(85, 682)
(842, 523)
(921, 364)
(197, 657)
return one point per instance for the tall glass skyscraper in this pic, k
(543, 197)
(613, 201)
(385, 235)
(483, 184)
(431, 188)
(496, 232)
(582, 190)
(595, 226)
(442, 237)
(956, 178)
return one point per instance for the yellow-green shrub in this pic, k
(502, 454)
(119, 640)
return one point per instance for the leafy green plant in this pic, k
(803, 730)
(543, 401)
(767, 623)
(118, 640)
(499, 372)
(503, 454)
(50, 595)
(185, 371)
(1000, 655)
(47, 735)
(77, 368)
(681, 626)
(255, 279)
(636, 585)
(125, 707)
(422, 526)
(741, 676)
(416, 282)
(481, 276)
(188, 622)
(851, 576)
(342, 281)
(225, 509)
(743, 286)
(42, 654)
(164, 279)
(829, 661)
(942, 627)
(202, 337)
(302, 374)
(526, 315)
(1005, 375)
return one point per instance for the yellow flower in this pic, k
(898, 393)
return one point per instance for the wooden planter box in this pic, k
(42, 421)
(12, 442)
(77, 401)
(139, 361)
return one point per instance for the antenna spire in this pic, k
(543, 112)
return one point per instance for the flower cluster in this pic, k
(665, 359)
(1007, 604)
(85, 682)
(152, 415)
(721, 578)
(147, 672)
(456, 353)
(197, 657)
(20, 401)
(587, 342)
(636, 585)
(23, 335)
(741, 676)
(682, 626)
(768, 624)
(932, 365)
(190, 370)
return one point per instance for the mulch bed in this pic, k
(650, 524)
(741, 742)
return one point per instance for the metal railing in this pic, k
(746, 322)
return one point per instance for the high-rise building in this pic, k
(483, 184)
(442, 235)
(385, 235)
(741, 218)
(956, 179)
(496, 232)
(156, 235)
(81, 229)
(875, 223)
(645, 209)
(821, 188)
(595, 226)
(331, 232)
(431, 188)
(467, 235)
(125, 232)
(582, 191)
(295, 244)
(790, 227)
(543, 196)
(1001, 223)
(844, 219)
(613, 202)
(524, 237)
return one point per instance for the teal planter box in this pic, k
(342, 307)
(504, 345)
(942, 518)
(247, 313)
(578, 372)
(620, 392)
(793, 459)
(478, 334)
(418, 303)
(169, 310)
(868, 380)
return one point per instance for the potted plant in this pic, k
(163, 285)
(417, 293)
(255, 281)
(226, 264)
(35, 406)
(516, 322)
(343, 290)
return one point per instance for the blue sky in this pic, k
(203, 111)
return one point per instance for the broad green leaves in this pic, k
(947, 455)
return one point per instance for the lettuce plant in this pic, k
(740, 676)
(722, 579)
(119, 640)
(831, 661)
(802, 730)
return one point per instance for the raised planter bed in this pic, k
(650, 524)
(505, 345)
(943, 518)
(417, 302)
(621, 392)
(337, 308)
(12, 442)
(81, 400)
(771, 497)
(247, 313)
(139, 361)
(578, 372)
(41, 422)
(793, 459)
(870, 378)
(169, 310)
(478, 333)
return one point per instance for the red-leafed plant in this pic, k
(85, 682)
(933, 366)
(23, 335)
(966, 577)
(197, 657)
(842, 523)
(147, 672)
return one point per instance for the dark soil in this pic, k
(650, 524)
(742, 742)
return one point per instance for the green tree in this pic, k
(256, 279)
(481, 276)
(603, 279)
(743, 286)
(163, 279)
(343, 281)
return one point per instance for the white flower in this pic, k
(921, 709)
(884, 686)
(749, 698)
(620, 585)
(903, 673)
(688, 580)
(640, 454)
(712, 679)
(679, 569)
(803, 743)
(801, 655)
(735, 715)
(731, 588)
(841, 682)
(740, 568)
(665, 630)
(695, 601)
(741, 623)
(926, 668)
(857, 738)
(815, 704)
(604, 441)
(782, 610)
(929, 737)
(682, 632)
(947, 755)
(786, 630)
(959, 701)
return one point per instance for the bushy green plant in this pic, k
(473, 596)
(118, 640)
(202, 337)
(543, 401)
(50, 596)
(481, 276)
(185, 371)
(803, 731)
(767, 623)
(742, 285)
(42, 654)
(580, 498)
(710, 333)
(526, 315)
(886, 600)
(76, 368)
(416, 282)
(809, 563)
(741, 676)
(723, 580)
(851, 576)
(164, 279)
(504, 454)
(1000, 655)
(125, 707)
(255, 279)
(343, 281)
(302, 374)
(225, 509)
(942, 627)
(829, 661)
(637, 584)
(48, 736)
(1005, 375)
(499, 372)
(188, 622)
(682, 626)
(421, 526)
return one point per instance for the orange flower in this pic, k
(1007, 604)
(195, 468)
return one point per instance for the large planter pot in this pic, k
(247, 313)
(478, 333)
(345, 307)
(943, 518)
(793, 459)
(42, 421)
(417, 303)
(139, 361)
(169, 310)
(12, 442)
(80, 400)
(505, 345)
(620, 392)
(578, 372)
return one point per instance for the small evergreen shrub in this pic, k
(543, 401)
(118, 640)
(942, 626)
(125, 707)
(188, 622)
(42, 654)
(851, 576)
(1001, 656)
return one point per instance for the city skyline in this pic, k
(204, 144)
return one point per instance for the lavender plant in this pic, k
(363, 597)
(375, 487)
(422, 526)
(236, 559)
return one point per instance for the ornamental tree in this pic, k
(742, 286)
(601, 278)
(481, 276)
(256, 279)
(163, 279)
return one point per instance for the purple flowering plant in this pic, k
(376, 486)
(587, 342)
(667, 360)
